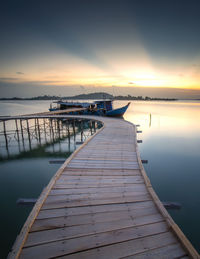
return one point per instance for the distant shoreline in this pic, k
(91, 96)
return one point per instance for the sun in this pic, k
(147, 80)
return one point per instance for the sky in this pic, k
(68, 47)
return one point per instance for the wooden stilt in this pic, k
(74, 129)
(94, 123)
(22, 133)
(28, 131)
(45, 133)
(17, 130)
(91, 127)
(52, 131)
(81, 123)
(5, 134)
(38, 128)
(58, 127)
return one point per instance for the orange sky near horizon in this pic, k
(120, 69)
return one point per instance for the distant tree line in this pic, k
(91, 96)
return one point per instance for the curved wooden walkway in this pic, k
(100, 204)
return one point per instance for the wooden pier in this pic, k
(100, 204)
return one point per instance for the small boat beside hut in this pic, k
(99, 108)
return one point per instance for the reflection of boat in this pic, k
(101, 108)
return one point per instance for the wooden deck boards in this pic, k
(100, 204)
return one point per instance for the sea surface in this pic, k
(171, 144)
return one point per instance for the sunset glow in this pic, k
(128, 49)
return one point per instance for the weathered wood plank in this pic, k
(52, 235)
(132, 247)
(93, 185)
(79, 203)
(135, 187)
(94, 209)
(95, 196)
(132, 237)
(102, 173)
(141, 217)
(166, 252)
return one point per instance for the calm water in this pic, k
(171, 143)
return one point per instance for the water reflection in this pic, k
(171, 143)
(25, 169)
(35, 135)
(150, 120)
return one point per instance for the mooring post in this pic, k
(28, 131)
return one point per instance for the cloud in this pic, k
(195, 65)
(82, 87)
(8, 78)
(45, 82)
(20, 73)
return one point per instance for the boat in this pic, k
(99, 108)
(118, 112)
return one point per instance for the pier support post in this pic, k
(22, 133)
(52, 131)
(94, 123)
(74, 129)
(38, 127)
(5, 134)
(58, 128)
(81, 123)
(45, 133)
(28, 131)
(91, 127)
(17, 130)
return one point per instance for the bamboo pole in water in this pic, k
(22, 133)
(17, 130)
(38, 127)
(5, 134)
(28, 131)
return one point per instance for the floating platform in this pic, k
(100, 204)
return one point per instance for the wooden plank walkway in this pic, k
(100, 204)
